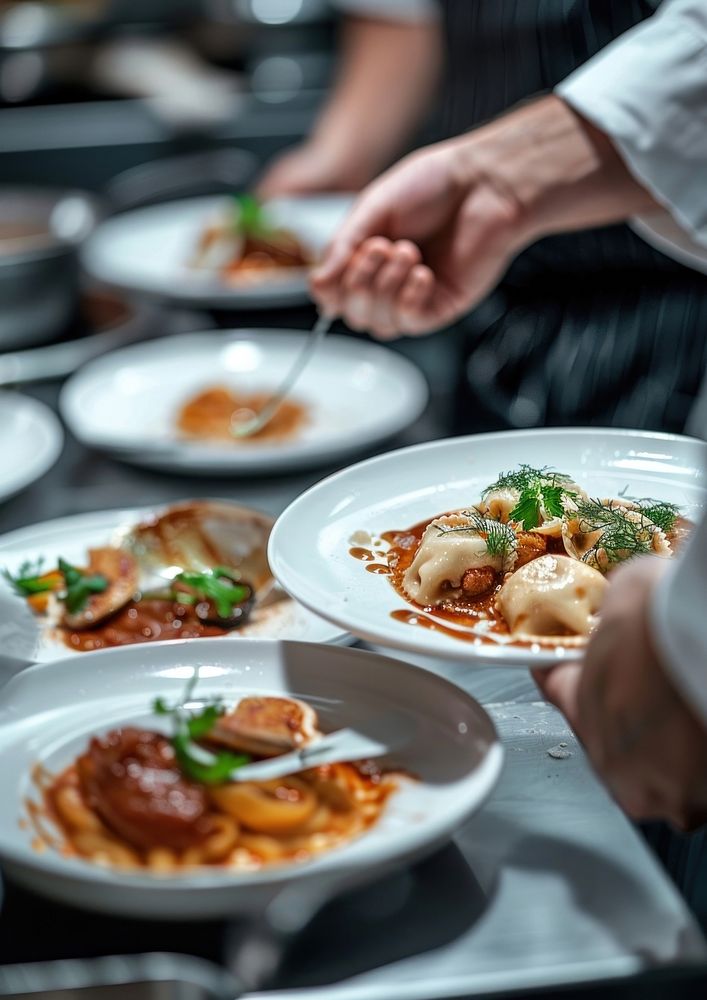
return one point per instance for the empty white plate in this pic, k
(310, 543)
(31, 440)
(71, 537)
(356, 393)
(48, 714)
(148, 251)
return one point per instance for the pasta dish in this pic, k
(526, 564)
(141, 799)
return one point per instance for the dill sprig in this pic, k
(499, 538)
(624, 533)
(660, 513)
(540, 493)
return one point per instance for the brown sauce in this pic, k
(466, 613)
(149, 620)
(211, 414)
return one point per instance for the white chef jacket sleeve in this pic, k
(414, 11)
(648, 92)
(679, 622)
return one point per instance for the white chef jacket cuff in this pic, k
(648, 92)
(414, 11)
(677, 624)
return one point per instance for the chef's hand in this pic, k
(639, 733)
(431, 237)
(420, 247)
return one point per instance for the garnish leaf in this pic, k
(79, 586)
(218, 585)
(250, 218)
(29, 579)
(198, 763)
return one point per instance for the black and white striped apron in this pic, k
(586, 328)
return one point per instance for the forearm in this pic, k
(388, 77)
(557, 170)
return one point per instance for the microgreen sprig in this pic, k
(198, 763)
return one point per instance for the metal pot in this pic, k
(40, 232)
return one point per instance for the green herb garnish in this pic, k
(29, 579)
(500, 538)
(249, 217)
(660, 513)
(219, 585)
(540, 494)
(79, 586)
(198, 763)
(622, 536)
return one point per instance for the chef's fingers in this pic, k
(367, 218)
(356, 287)
(388, 284)
(416, 312)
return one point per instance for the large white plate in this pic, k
(71, 537)
(126, 402)
(48, 713)
(309, 546)
(31, 440)
(148, 251)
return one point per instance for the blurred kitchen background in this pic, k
(92, 88)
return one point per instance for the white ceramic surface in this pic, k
(71, 537)
(47, 714)
(31, 440)
(126, 402)
(309, 546)
(148, 251)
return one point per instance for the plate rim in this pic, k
(489, 655)
(46, 460)
(488, 773)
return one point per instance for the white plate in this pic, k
(309, 546)
(148, 251)
(126, 402)
(31, 440)
(48, 714)
(71, 537)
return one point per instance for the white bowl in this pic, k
(148, 251)
(126, 402)
(47, 714)
(309, 546)
(31, 440)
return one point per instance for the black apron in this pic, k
(590, 328)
